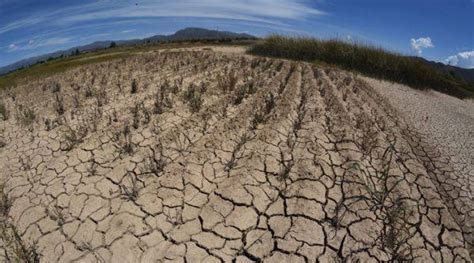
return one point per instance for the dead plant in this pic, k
(125, 142)
(134, 87)
(74, 135)
(25, 115)
(384, 199)
(130, 192)
(3, 111)
(59, 104)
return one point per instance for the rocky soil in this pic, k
(208, 156)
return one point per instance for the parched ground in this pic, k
(207, 156)
(447, 123)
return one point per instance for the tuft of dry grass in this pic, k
(74, 136)
(5, 202)
(193, 96)
(59, 104)
(25, 115)
(15, 249)
(383, 197)
(130, 192)
(3, 111)
(134, 87)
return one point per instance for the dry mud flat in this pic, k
(447, 123)
(219, 157)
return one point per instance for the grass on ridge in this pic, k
(368, 60)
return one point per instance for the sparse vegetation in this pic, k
(101, 97)
(74, 135)
(339, 213)
(134, 87)
(227, 82)
(366, 59)
(158, 103)
(56, 87)
(193, 97)
(240, 94)
(390, 207)
(56, 214)
(257, 119)
(3, 111)
(51, 124)
(76, 103)
(25, 115)
(5, 202)
(92, 169)
(59, 104)
(130, 192)
(84, 246)
(125, 141)
(162, 100)
(89, 92)
(2, 143)
(377, 182)
(261, 114)
(285, 167)
(140, 115)
(25, 162)
(368, 138)
(233, 159)
(155, 163)
(195, 102)
(14, 248)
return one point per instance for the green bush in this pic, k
(369, 60)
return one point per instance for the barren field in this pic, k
(203, 156)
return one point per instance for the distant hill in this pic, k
(193, 33)
(183, 34)
(462, 73)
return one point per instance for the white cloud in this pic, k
(266, 11)
(417, 45)
(12, 46)
(35, 43)
(19, 24)
(463, 59)
(53, 41)
(263, 11)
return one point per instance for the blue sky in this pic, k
(440, 30)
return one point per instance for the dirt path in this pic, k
(215, 156)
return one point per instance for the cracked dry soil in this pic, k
(202, 156)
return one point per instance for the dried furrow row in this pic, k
(202, 156)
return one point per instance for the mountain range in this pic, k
(461, 73)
